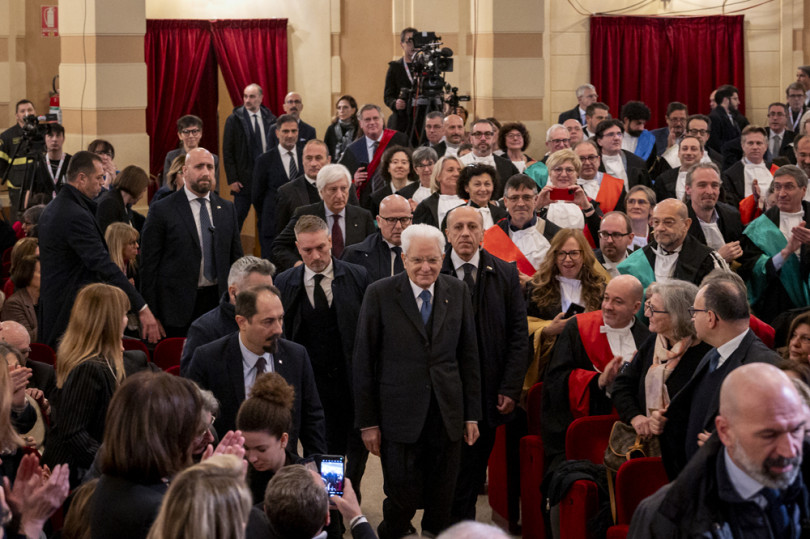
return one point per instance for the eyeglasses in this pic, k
(576, 254)
(424, 165)
(191, 132)
(567, 170)
(589, 158)
(394, 220)
(694, 310)
(483, 134)
(514, 135)
(612, 235)
(649, 308)
(701, 132)
(519, 198)
(669, 223)
(560, 141)
(433, 260)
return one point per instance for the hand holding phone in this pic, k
(563, 193)
(331, 468)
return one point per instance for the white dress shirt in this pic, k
(370, 147)
(326, 283)
(714, 238)
(725, 350)
(258, 116)
(249, 360)
(614, 165)
(758, 172)
(746, 486)
(591, 187)
(416, 289)
(195, 211)
(285, 159)
(471, 158)
(458, 263)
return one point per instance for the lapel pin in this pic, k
(446, 302)
(489, 268)
(219, 207)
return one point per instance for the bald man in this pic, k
(453, 134)
(746, 481)
(293, 105)
(42, 375)
(673, 254)
(586, 359)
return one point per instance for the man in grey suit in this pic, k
(417, 382)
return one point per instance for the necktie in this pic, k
(207, 230)
(777, 512)
(337, 236)
(261, 365)
(256, 132)
(469, 278)
(426, 307)
(374, 147)
(293, 168)
(776, 144)
(398, 265)
(321, 303)
(714, 360)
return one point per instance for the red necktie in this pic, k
(337, 236)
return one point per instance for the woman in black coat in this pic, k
(434, 208)
(115, 206)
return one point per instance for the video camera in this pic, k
(430, 61)
(33, 131)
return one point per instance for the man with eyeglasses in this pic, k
(673, 254)
(522, 237)
(293, 105)
(557, 138)
(803, 78)
(190, 132)
(721, 318)
(607, 190)
(586, 95)
(779, 137)
(417, 385)
(699, 125)
(500, 321)
(776, 249)
(616, 161)
(748, 179)
(246, 137)
(615, 238)
(795, 106)
(434, 132)
(482, 136)
(669, 136)
(587, 356)
(380, 253)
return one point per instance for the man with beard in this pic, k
(615, 240)
(453, 134)
(482, 136)
(637, 139)
(228, 367)
(727, 122)
(715, 224)
(669, 136)
(746, 481)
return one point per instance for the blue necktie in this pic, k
(426, 307)
(714, 360)
(777, 512)
(209, 271)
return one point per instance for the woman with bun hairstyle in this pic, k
(265, 419)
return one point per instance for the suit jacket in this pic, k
(637, 173)
(359, 224)
(111, 209)
(124, 508)
(19, 307)
(171, 254)
(427, 212)
(305, 133)
(213, 325)
(43, 377)
(500, 323)
(732, 151)
(673, 439)
(665, 184)
(723, 129)
(728, 221)
(441, 364)
(396, 78)
(734, 183)
(356, 155)
(439, 148)
(296, 193)
(695, 261)
(661, 139)
(269, 174)
(240, 148)
(72, 254)
(572, 114)
(373, 254)
(504, 170)
(217, 366)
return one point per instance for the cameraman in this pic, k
(399, 77)
(9, 141)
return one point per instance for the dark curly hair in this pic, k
(514, 126)
(471, 171)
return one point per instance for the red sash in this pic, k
(598, 350)
(762, 330)
(498, 243)
(610, 191)
(749, 209)
(388, 134)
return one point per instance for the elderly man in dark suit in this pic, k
(73, 252)
(500, 321)
(417, 382)
(322, 300)
(190, 239)
(347, 224)
(381, 252)
(586, 95)
(281, 164)
(228, 367)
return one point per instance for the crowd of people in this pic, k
(413, 286)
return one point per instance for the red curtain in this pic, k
(176, 53)
(658, 60)
(265, 41)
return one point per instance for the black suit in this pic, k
(296, 193)
(665, 184)
(439, 148)
(427, 212)
(43, 377)
(373, 254)
(359, 224)
(124, 508)
(111, 209)
(356, 155)
(240, 149)
(72, 254)
(572, 114)
(395, 80)
(171, 255)
(728, 221)
(436, 378)
(503, 351)
(213, 325)
(305, 133)
(268, 175)
(734, 183)
(723, 129)
(217, 366)
(704, 388)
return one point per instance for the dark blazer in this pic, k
(213, 325)
(409, 190)
(728, 221)
(174, 154)
(572, 114)
(732, 151)
(673, 439)
(348, 287)
(373, 254)
(396, 78)
(297, 193)
(439, 148)
(356, 155)
(111, 209)
(390, 378)
(734, 183)
(122, 508)
(217, 366)
(359, 224)
(723, 129)
(665, 184)
(661, 139)
(504, 169)
(19, 307)
(427, 212)
(372, 204)
(240, 148)
(268, 175)
(43, 377)
(171, 254)
(72, 254)
(500, 323)
(305, 133)
(695, 261)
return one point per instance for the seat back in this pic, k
(587, 438)
(636, 480)
(534, 407)
(168, 352)
(42, 353)
(136, 344)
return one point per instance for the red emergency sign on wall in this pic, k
(50, 21)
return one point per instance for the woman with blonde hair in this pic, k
(122, 241)
(174, 179)
(89, 370)
(209, 499)
(432, 210)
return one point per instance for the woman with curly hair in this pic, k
(513, 139)
(570, 279)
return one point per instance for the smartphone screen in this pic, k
(332, 474)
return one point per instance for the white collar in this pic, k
(416, 289)
(284, 151)
(194, 196)
(459, 262)
(608, 329)
(725, 350)
(329, 272)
